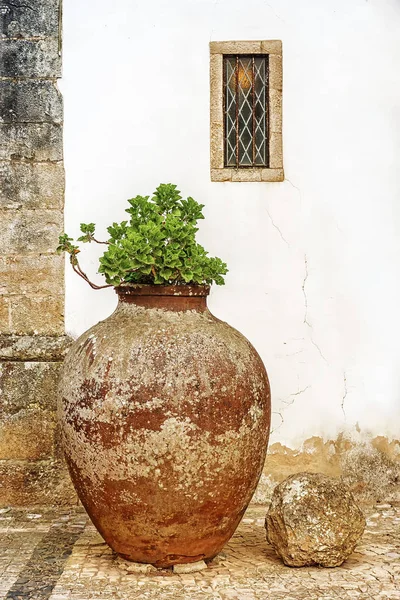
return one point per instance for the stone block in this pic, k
(30, 58)
(31, 141)
(40, 483)
(194, 567)
(272, 175)
(246, 174)
(275, 111)
(37, 316)
(216, 88)
(271, 47)
(33, 348)
(28, 384)
(27, 411)
(236, 47)
(275, 72)
(32, 275)
(313, 520)
(5, 319)
(30, 101)
(31, 185)
(27, 435)
(36, 18)
(217, 145)
(221, 175)
(276, 151)
(30, 231)
(133, 567)
(257, 174)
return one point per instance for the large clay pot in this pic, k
(165, 416)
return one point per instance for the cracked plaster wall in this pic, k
(314, 261)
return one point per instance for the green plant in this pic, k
(156, 245)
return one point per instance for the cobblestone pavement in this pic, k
(58, 555)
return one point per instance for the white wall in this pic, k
(314, 262)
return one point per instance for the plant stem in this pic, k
(78, 271)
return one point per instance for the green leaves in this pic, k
(167, 197)
(157, 245)
(88, 231)
(65, 245)
(117, 231)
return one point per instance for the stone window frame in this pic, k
(275, 170)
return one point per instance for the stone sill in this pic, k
(247, 175)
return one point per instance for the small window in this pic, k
(246, 111)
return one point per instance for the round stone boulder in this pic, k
(313, 520)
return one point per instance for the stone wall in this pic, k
(32, 340)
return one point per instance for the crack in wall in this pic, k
(314, 343)
(296, 188)
(345, 391)
(303, 287)
(287, 402)
(275, 13)
(305, 320)
(274, 429)
(276, 227)
(288, 355)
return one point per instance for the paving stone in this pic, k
(132, 567)
(190, 567)
(40, 560)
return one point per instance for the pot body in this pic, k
(165, 414)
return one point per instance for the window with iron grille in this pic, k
(246, 111)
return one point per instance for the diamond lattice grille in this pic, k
(246, 111)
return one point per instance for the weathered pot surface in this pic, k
(165, 416)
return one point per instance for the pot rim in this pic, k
(186, 290)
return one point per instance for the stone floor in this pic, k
(58, 555)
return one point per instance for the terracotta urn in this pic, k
(165, 414)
